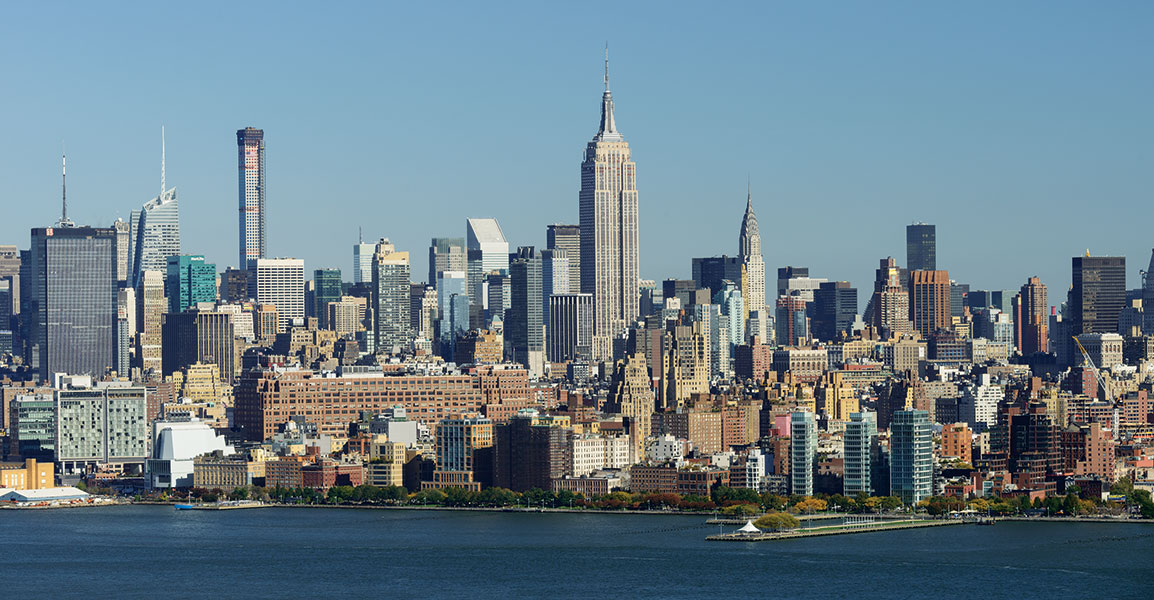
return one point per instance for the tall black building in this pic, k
(921, 247)
(711, 272)
(524, 332)
(1098, 293)
(835, 308)
(69, 300)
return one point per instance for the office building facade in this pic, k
(911, 456)
(189, 280)
(567, 238)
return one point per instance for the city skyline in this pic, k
(1047, 166)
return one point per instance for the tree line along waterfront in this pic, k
(726, 501)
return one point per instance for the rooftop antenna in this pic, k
(360, 235)
(162, 188)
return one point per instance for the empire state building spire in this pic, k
(609, 249)
(608, 129)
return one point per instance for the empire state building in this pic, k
(609, 252)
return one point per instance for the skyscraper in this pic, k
(889, 307)
(250, 164)
(446, 254)
(1098, 293)
(554, 276)
(390, 304)
(609, 246)
(749, 251)
(154, 231)
(1148, 298)
(280, 282)
(567, 238)
(861, 453)
(199, 336)
(487, 253)
(802, 452)
(834, 309)
(150, 308)
(930, 301)
(713, 272)
(921, 247)
(363, 262)
(326, 288)
(524, 326)
(72, 300)
(1031, 318)
(452, 309)
(189, 280)
(911, 456)
(570, 330)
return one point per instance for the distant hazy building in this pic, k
(609, 225)
(446, 254)
(390, 304)
(280, 282)
(250, 167)
(921, 247)
(189, 280)
(802, 452)
(570, 328)
(911, 456)
(567, 238)
(70, 300)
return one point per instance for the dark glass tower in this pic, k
(835, 308)
(921, 247)
(1098, 293)
(326, 288)
(524, 334)
(71, 300)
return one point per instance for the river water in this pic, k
(151, 551)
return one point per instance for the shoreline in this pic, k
(713, 518)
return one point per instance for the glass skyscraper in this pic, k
(250, 164)
(911, 456)
(326, 288)
(70, 301)
(524, 327)
(189, 280)
(861, 453)
(921, 247)
(154, 235)
(802, 452)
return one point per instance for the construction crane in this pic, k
(1101, 384)
(1098, 374)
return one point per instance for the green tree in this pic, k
(777, 521)
(1070, 505)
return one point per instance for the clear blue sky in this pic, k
(1022, 129)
